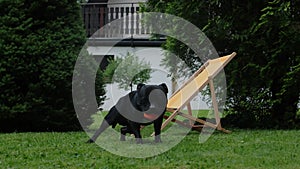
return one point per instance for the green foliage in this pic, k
(40, 41)
(263, 80)
(127, 71)
(242, 149)
(87, 85)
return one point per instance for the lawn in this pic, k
(241, 149)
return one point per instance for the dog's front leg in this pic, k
(136, 131)
(109, 119)
(157, 128)
(104, 125)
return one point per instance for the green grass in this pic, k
(241, 149)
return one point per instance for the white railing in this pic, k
(113, 20)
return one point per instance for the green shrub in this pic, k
(39, 44)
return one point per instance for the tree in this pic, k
(40, 41)
(127, 71)
(279, 47)
(262, 80)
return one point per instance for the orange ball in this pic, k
(150, 116)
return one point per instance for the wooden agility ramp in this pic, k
(182, 97)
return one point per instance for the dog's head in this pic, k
(152, 98)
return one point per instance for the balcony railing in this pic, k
(128, 20)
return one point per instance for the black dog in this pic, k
(133, 109)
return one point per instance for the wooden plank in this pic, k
(214, 101)
(198, 120)
(216, 65)
(189, 108)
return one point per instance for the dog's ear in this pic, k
(165, 87)
(139, 86)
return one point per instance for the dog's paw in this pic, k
(90, 141)
(157, 139)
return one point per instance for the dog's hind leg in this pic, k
(104, 125)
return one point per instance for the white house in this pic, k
(115, 29)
